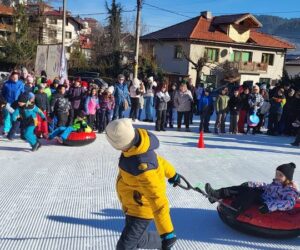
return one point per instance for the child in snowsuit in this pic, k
(141, 187)
(91, 107)
(60, 106)
(234, 106)
(42, 102)
(205, 109)
(281, 194)
(106, 107)
(27, 113)
(79, 125)
(162, 99)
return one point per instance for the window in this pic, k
(52, 21)
(265, 80)
(178, 52)
(68, 35)
(52, 33)
(241, 56)
(267, 58)
(212, 54)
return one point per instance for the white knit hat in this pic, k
(120, 134)
(111, 89)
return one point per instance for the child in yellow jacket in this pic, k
(141, 187)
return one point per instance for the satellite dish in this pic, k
(224, 52)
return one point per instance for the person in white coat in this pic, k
(135, 94)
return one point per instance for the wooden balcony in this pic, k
(250, 67)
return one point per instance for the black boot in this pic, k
(213, 195)
(36, 146)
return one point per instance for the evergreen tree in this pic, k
(20, 47)
(114, 24)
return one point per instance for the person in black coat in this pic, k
(171, 108)
(234, 105)
(244, 109)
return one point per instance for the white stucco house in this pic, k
(236, 39)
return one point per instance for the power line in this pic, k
(99, 13)
(166, 10)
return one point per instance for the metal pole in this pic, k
(64, 22)
(137, 38)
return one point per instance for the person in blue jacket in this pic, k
(206, 109)
(122, 98)
(27, 113)
(11, 91)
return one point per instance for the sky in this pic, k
(155, 19)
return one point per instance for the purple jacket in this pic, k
(277, 196)
(106, 104)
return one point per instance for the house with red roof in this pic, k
(6, 21)
(50, 30)
(233, 39)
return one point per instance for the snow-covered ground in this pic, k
(64, 198)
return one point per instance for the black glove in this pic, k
(175, 180)
(168, 240)
(264, 209)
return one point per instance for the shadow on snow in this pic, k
(191, 224)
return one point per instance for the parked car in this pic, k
(4, 75)
(91, 77)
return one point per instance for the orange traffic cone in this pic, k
(201, 140)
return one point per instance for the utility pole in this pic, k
(137, 38)
(64, 23)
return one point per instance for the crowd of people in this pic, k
(39, 106)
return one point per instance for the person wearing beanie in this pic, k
(27, 112)
(141, 187)
(205, 109)
(11, 91)
(280, 195)
(42, 102)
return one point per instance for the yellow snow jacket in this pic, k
(141, 183)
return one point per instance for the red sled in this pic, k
(80, 139)
(279, 224)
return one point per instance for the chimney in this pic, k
(206, 14)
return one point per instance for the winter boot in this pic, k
(36, 146)
(213, 195)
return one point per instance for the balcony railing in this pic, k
(250, 67)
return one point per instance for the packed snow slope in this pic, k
(64, 197)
